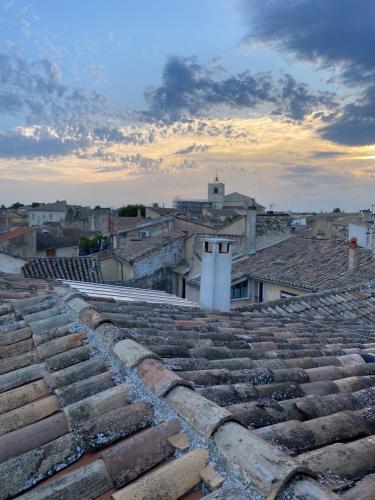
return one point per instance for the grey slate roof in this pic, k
(68, 268)
(308, 263)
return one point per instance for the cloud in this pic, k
(193, 148)
(336, 35)
(190, 89)
(116, 135)
(38, 142)
(327, 154)
(139, 163)
(36, 90)
(355, 126)
(301, 170)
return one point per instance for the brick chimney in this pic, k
(216, 273)
(353, 255)
(251, 230)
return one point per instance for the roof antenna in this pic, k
(216, 176)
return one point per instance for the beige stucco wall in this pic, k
(70, 251)
(235, 228)
(271, 291)
(114, 270)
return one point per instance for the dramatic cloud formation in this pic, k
(35, 90)
(191, 89)
(38, 142)
(337, 35)
(193, 148)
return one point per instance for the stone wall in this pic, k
(271, 229)
(167, 256)
(23, 246)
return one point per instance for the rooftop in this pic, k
(68, 268)
(134, 247)
(102, 397)
(14, 233)
(308, 263)
(57, 206)
(48, 238)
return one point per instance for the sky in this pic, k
(110, 102)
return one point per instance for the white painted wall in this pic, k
(364, 235)
(38, 218)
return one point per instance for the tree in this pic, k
(337, 210)
(132, 211)
(89, 245)
(17, 205)
(97, 207)
(35, 204)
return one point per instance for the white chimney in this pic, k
(353, 255)
(114, 241)
(216, 274)
(251, 230)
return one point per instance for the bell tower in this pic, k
(216, 193)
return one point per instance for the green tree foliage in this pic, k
(131, 211)
(35, 204)
(337, 210)
(17, 205)
(91, 245)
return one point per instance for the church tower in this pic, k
(216, 193)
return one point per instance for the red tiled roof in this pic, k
(14, 233)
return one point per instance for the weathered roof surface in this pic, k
(299, 374)
(68, 268)
(228, 197)
(73, 414)
(14, 233)
(57, 206)
(95, 393)
(308, 263)
(128, 294)
(49, 239)
(126, 223)
(163, 210)
(135, 247)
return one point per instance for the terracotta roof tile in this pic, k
(14, 233)
(275, 393)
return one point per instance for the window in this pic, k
(207, 247)
(216, 190)
(286, 295)
(223, 247)
(51, 253)
(240, 290)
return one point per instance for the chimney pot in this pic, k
(216, 273)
